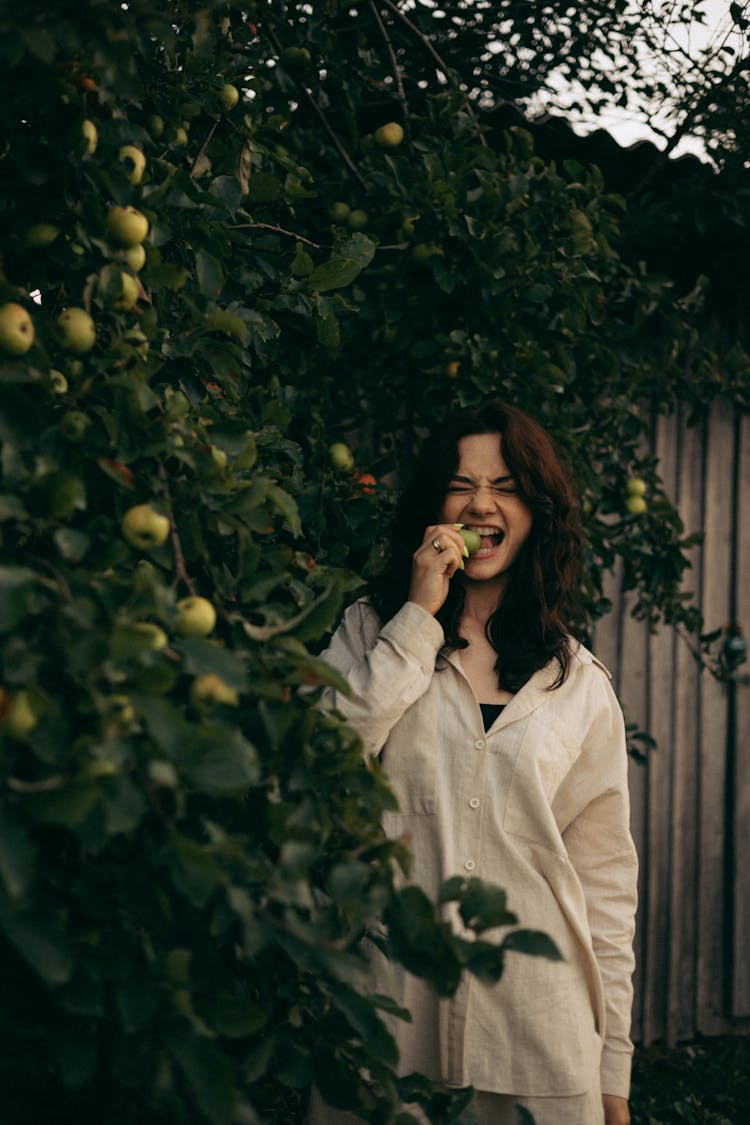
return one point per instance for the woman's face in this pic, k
(482, 495)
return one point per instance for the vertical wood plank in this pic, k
(632, 691)
(658, 810)
(681, 972)
(741, 888)
(713, 726)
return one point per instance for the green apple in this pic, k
(358, 219)
(135, 256)
(156, 637)
(209, 691)
(40, 235)
(16, 329)
(390, 135)
(129, 296)
(197, 617)
(339, 212)
(58, 382)
(341, 456)
(73, 426)
(90, 135)
(472, 539)
(636, 505)
(180, 138)
(229, 95)
(135, 162)
(20, 719)
(77, 331)
(126, 226)
(155, 126)
(295, 59)
(423, 253)
(145, 528)
(635, 486)
(219, 457)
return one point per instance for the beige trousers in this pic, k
(490, 1109)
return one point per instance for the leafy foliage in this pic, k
(189, 846)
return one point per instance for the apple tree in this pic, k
(249, 254)
(190, 851)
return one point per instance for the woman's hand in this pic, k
(616, 1110)
(433, 567)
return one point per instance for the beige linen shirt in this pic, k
(537, 804)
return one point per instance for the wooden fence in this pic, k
(691, 801)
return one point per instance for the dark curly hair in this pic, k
(532, 623)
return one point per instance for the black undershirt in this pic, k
(490, 712)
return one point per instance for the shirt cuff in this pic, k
(615, 1072)
(416, 633)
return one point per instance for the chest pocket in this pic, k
(543, 760)
(410, 759)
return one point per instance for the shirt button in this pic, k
(474, 803)
(479, 744)
(470, 865)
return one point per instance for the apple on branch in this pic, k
(76, 330)
(126, 226)
(16, 329)
(197, 616)
(145, 528)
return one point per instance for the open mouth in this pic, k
(491, 538)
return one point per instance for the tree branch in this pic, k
(395, 68)
(277, 230)
(440, 62)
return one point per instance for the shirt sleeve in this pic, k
(387, 669)
(601, 850)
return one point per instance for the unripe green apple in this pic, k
(20, 719)
(341, 456)
(135, 162)
(635, 486)
(145, 528)
(180, 137)
(129, 296)
(156, 637)
(16, 329)
(229, 95)
(339, 212)
(155, 126)
(423, 253)
(135, 256)
(58, 382)
(358, 219)
(90, 135)
(209, 691)
(73, 426)
(390, 135)
(77, 331)
(126, 226)
(197, 617)
(636, 505)
(295, 59)
(41, 235)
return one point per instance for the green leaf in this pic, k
(210, 1074)
(483, 906)
(532, 942)
(39, 937)
(220, 760)
(209, 272)
(67, 806)
(15, 581)
(17, 854)
(194, 870)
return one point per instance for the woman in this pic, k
(504, 744)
